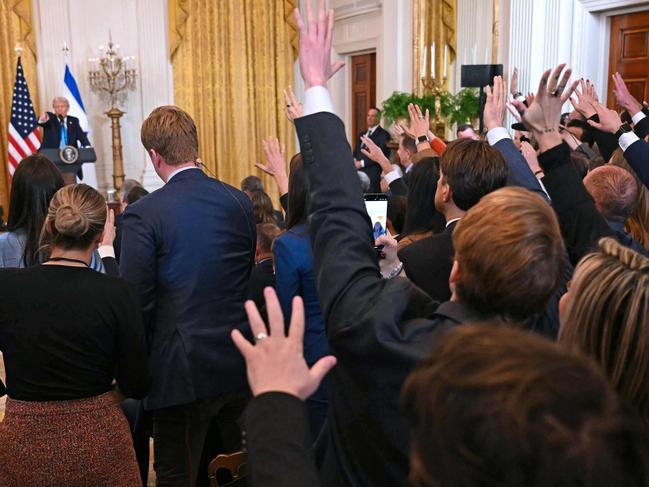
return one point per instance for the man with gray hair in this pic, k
(61, 129)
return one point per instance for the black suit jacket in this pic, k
(637, 155)
(279, 442)
(52, 132)
(261, 277)
(428, 263)
(380, 137)
(378, 329)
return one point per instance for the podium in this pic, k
(479, 76)
(68, 160)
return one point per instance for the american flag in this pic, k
(24, 137)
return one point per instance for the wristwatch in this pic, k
(422, 139)
(624, 128)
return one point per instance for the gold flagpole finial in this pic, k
(19, 49)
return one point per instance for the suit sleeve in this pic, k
(132, 371)
(641, 128)
(287, 276)
(138, 260)
(111, 266)
(345, 263)
(279, 442)
(83, 138)
(519, 173)
(399, 187)
(637, 155)
(606, 142)
(581, 224)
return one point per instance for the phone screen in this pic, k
(377, 209)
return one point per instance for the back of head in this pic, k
(266, 235)
(614, 190)
(397, 212)
(510, 254)
(466, 131)
(262, 206)
(638, 222)
(75, 218)
(606, 315)
(171, 132)
(298, 193)
(420, 207)
(251, 183)
(34, 183)
(135, 194)
(127, 186)
(472, 169)
(494, 406)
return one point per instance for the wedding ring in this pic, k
(261, 336)
(554, 93)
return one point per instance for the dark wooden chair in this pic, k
(233, 463)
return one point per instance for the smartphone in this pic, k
(377, 208)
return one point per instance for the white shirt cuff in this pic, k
(627, 139)
(496, 135)
(637, 117)
(317, 99)
(392, 176)
(106, 251)
(362, 161)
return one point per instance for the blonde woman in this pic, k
(66, 334)
(606, 315)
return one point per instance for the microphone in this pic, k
(61, 118)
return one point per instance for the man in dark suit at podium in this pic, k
(61, 129)
(380, 137)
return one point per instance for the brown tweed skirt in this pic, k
(77, 443)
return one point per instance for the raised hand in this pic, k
(316, 38)
(496, 104)
(513, 84)
(542, 116)
(609, 120)
(623, 97)
(275, 162)
(375, 153)
(293, 108)
(390, 247)
(108, 236)
(586, 99)
(419, 124)
(276, 362)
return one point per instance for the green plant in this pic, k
(456, 109)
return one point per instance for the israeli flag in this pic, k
(71, 92)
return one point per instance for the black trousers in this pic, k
(180, 434)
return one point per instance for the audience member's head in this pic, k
(251, 183)
(494, 406)
(135, 194)
(169, 136)
(407, 149)
(614, 191)
(466, 131)
(420, 207)
(373, 117)
(638, 223)
(581, 162)
(605, 314)
(298, 193)
(469, 169)
(266, 235)
(262, 207)
(34, 183)
(396, 216)
(509, 255)
(127, 186)
(75, 218)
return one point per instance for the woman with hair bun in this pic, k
(67, 333)
(605, 314)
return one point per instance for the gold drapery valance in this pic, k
(434, 22)
(232, 62)
(15, 27)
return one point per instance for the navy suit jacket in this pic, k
(380, 137)
(637, 154)
(188, 248)
(52, 132)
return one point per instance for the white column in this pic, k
(474, 35)
(394, 68)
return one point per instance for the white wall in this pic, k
(140, 28)
(381, 26)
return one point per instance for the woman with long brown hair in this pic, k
(66, 333)
(605, 314)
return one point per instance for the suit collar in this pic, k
(185, 173)
(458, 312)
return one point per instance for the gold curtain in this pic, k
(232, 61)
(15, 27)
(433, 21)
